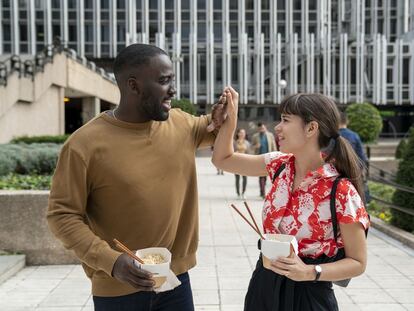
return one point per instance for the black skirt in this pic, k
(269, 291)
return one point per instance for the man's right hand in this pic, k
(126, 271)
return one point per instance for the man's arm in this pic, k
(67, 210)
(66, 218)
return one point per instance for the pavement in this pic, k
(226, 257)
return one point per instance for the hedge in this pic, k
(28, 158)
(405, 176)
(58, 139)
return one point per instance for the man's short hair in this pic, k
(259, 124)
(343, 118)
(135, 55)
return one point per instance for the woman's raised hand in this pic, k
(232, 103)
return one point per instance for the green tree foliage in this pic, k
(405, 176)
(184, 105)
(366, 120)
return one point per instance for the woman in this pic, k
(298, 204)
(241, 145)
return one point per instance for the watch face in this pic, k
(318, 269)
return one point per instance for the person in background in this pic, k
(263, 142)
(241, 145)
(356, 144)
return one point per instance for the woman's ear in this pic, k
(312, 128)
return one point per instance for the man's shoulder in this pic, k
(87, 133)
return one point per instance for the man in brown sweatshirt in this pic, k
(130, 174)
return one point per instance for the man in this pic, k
(130, 174)
(356, 144)
(263, 142)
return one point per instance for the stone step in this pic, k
(10, 265)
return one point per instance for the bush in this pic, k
(399, 152)
(385, 193)
(58, 139)
(405, 176)
(184, 105)
(28, 159)
(25, 182)
(366, 120)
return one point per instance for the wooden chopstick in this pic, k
(126, 250)
(246, 220)
(254, 221)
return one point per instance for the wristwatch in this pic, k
(318, 270)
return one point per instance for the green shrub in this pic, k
(405, 176)
(184, 105)
(58, 139)
(385, 193)
(366, 120)
(399, 152)
(25, 182)
(28, 159)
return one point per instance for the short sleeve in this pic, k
(274, 160)
(349, 205)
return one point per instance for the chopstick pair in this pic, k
(255, 227)
(126, 250)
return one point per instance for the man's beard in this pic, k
(154, 111)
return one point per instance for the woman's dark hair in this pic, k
(323, 110)
(236, 135)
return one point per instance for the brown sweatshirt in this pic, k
(133, 182)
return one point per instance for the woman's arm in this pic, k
(223, 154)
(352, 265)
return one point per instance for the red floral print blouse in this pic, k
(305, 213)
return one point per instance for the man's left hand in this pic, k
(218, 114)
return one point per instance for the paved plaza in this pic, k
(226, 257)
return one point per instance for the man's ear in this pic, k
(312, 128)
(134, 85)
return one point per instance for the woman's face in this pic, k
(291, 133)
(241, 134)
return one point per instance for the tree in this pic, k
(366, 120)
(405, 176)
(184, 104)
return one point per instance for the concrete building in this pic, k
(353, 50)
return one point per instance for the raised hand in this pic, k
(218, 114)
(126, 271)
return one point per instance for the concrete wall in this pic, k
(23, 228)
(37, 108)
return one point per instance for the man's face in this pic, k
(262, 128)
(157, 80)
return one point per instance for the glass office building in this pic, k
(353, 50)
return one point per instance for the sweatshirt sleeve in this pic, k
(66, 214)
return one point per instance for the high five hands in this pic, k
(226, 106)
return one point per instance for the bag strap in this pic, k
(277, 173)
(333, 207)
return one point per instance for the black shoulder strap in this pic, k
(277, 173)
(333, 207)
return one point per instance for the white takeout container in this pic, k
(162, 269)
(277, 245)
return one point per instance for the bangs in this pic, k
(291, 105)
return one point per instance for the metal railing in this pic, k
(29, 67)
(384, 177)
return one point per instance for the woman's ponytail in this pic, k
(347, 163)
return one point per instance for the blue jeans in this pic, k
(180, 298)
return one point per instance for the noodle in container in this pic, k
(157, 260)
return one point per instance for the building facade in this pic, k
(353, 50)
